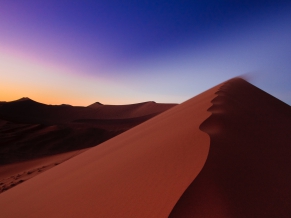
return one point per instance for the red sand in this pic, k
(157, 168)
(140, 173)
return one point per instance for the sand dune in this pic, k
(223, 153)
(129, 111)
(140, 173)
(30, 130)
(26, 110)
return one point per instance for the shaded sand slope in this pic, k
(140, 173)
(248, 169)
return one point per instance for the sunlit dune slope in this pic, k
(140, 173)
(248, 169)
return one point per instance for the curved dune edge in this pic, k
(247, 172)
(140, 173)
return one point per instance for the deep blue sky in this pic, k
(165, 51)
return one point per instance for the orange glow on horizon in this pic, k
(26, 77)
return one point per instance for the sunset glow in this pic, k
(81, 53)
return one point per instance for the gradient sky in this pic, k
(121, 52)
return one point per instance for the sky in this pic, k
(123, 52)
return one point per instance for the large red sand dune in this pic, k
(140, 173)
(223, 153)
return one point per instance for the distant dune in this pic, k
(26, 110)
(223, 153)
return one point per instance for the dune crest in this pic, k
(247, 172)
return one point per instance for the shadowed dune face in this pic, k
(247, 172)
